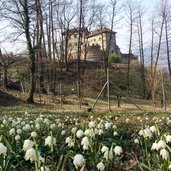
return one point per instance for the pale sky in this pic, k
(121, 29)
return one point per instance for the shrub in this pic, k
(114, 58)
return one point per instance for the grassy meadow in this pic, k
(42, 138)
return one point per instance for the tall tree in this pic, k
(152, 21)
(65, 15)
(167, 18)
(130, 9)
(21, 16)
(6, 60)
(159, 32)
(140, 13)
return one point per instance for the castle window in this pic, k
(94, 40)
(75, 36)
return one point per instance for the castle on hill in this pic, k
(94, 44)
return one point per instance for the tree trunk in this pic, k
(151, 92)
(168, 49)
(129, 59)
(141, 52)
(29, 99)
(5, 80)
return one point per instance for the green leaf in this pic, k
(145, 166)
(60, 162)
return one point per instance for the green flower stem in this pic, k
(37, 163)
(147, 154)
(12, 152)
(52, 152)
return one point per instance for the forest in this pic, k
(41, 24)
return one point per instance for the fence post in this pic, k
(78, 93)
(108, 89)
(163, 92)
(60, 93)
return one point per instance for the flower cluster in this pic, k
(49, 142)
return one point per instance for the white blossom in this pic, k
(53, 126)
(73, 130)
(89, 133)
(92, 124)
(37, 126)
(85, 142)
(5, 122)
(136, 141)
(127, 120)
(164, 154)
(3, 149)
(104, 149)
(155, 146)
(79, 133)
(168, 138)
(17, 137)
(31, 155)
(108, 155)
(100, 166)
(108, 125)
(153, 129)
(27, 127)
(116, 118)
(100, 131)
(50, 141)
(78, 161)
(19, 131)
(12, 131)
(114, 126)
(44, 168)
(34, 134)
(161, 144)
(46, 121)
(146, 133)
(118, 150)
(27, 144)
(115, 133)
(63, 132)
(69, 141)
(169, 168)
(13, 124)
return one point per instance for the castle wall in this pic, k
(93, 44)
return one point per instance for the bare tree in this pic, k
(140, 12)
(159, 32)
(130, 9)
(20, 15)
(6, 60)
(65, 16)
(152, 22)
(114, 9)
(167, 17)
(90, 16)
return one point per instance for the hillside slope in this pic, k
(9, 99)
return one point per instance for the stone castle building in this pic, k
(93, 44)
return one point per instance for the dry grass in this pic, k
(71, 103)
